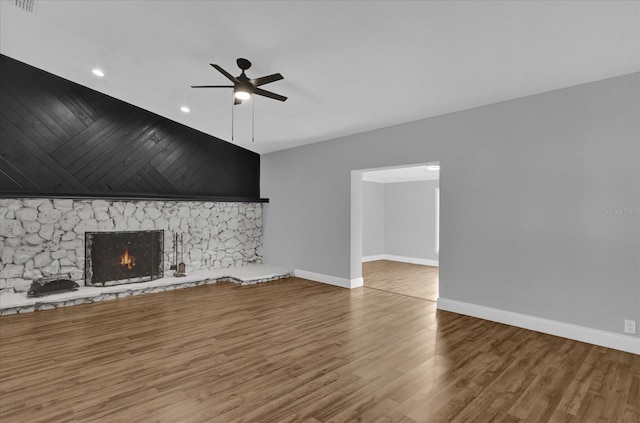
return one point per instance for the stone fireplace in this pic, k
(43, 237)
(116, 258)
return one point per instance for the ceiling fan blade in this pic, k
(266, 79)
(212, 86)
(269, 94)
(225, 73)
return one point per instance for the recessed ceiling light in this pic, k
(98, 72)
(433, 167)
(185, 109)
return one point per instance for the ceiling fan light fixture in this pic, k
(242, 95)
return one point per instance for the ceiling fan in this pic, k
(243, 87)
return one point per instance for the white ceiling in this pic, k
(401, 174)
(349, 66)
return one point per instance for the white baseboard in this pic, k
(566, 330)
(373, 258)
(411, 260)
(328, 279)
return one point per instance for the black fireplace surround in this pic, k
(116, 258)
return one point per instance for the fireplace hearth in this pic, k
(116, 258)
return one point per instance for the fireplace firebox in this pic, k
(116, 258)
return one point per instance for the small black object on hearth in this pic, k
(52, 285)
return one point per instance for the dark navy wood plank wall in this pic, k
(58, 137)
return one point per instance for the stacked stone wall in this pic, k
(42, 237)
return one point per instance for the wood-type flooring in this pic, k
(414, 280)
(299, 351)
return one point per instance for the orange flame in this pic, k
(127, 260)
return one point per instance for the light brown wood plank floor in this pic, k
(402, 278)
(299, 351)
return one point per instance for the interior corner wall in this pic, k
(540, 202)
(373, 222)
(409, 220)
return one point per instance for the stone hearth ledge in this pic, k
(14, 303)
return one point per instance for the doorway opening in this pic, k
(397, 212)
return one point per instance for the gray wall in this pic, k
(373, 225)
(409, 214)
(399, 219)
(527, 186)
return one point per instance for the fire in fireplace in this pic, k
(127, 260)
(115, 258)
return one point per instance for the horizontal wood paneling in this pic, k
(59, 137)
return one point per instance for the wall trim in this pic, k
(566, 330)
(328, 279)
(373, 258)
(131, 197)
(402, 259)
